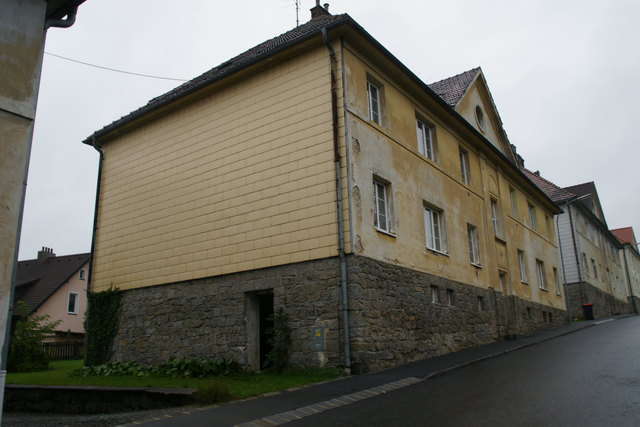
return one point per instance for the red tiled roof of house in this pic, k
(453, 88)
(555, 193)
(37, 280)
(625, 235)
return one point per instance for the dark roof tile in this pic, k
(555, 193)
(453, 88)
(256, 53)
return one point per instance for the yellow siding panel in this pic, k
(240, 179)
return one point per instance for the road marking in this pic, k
(603, 321)
(326, 405)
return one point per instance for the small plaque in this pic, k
(317, 338)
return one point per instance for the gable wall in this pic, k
(467, 106)
(241, 179)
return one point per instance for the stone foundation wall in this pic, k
(208, 317)
(392, 317)
(604, 304)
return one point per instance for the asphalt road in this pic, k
(588, 378)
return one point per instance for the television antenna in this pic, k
(297, 2)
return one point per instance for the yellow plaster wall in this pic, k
(389, 151)
(593, 245)
(241, 179)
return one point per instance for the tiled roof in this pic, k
(555, 193)
(625, 235)
(453, 88)
(37, 281)
(251, 56)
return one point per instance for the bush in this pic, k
(197, 368)
(184, 368)
(25, 349)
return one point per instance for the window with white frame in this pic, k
(522, 264)
(533, 219)
(82, 274)
(435, 294)
(72, 303)
(451, 300)
(542, 282)
(434, 229)
(373, 96)
(585, 265)
(424, 134)
(556, 279)
(496, 218)
(464, 167)
(382, 205)
(474, 247)
(514, 201)
(595, 269)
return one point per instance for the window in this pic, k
(502, 276)
(522, 263)
(450, 297)
(382, 214)
(72, 304)
(434, 229)
(549, 222)
(585, 265)
(556, 279)
(373, 95)
(480, 118)
(480, 304)
(533, 220)
(495, 218)
(434, 294)
(464, 167)
(595, 269)
(424, 134)
(82, 274)
(540, 270)
(514, 201)
(474, 249)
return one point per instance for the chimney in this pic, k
(319, 11)
(45, 254)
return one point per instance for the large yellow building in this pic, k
(316, 173)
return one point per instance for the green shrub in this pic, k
(25, 349)
(184, 368)
(197, 368)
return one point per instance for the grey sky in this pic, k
(563, 75)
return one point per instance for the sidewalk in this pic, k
(285, 406)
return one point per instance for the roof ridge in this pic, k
(476, 69)
(57, 256)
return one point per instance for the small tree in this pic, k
(280, 340)
(25, 350)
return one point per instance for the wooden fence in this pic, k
(63, 350)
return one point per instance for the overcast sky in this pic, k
(563, 74)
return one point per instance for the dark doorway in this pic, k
(265, 319)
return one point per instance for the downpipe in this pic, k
(339, 203)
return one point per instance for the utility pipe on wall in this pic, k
(338, 170)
